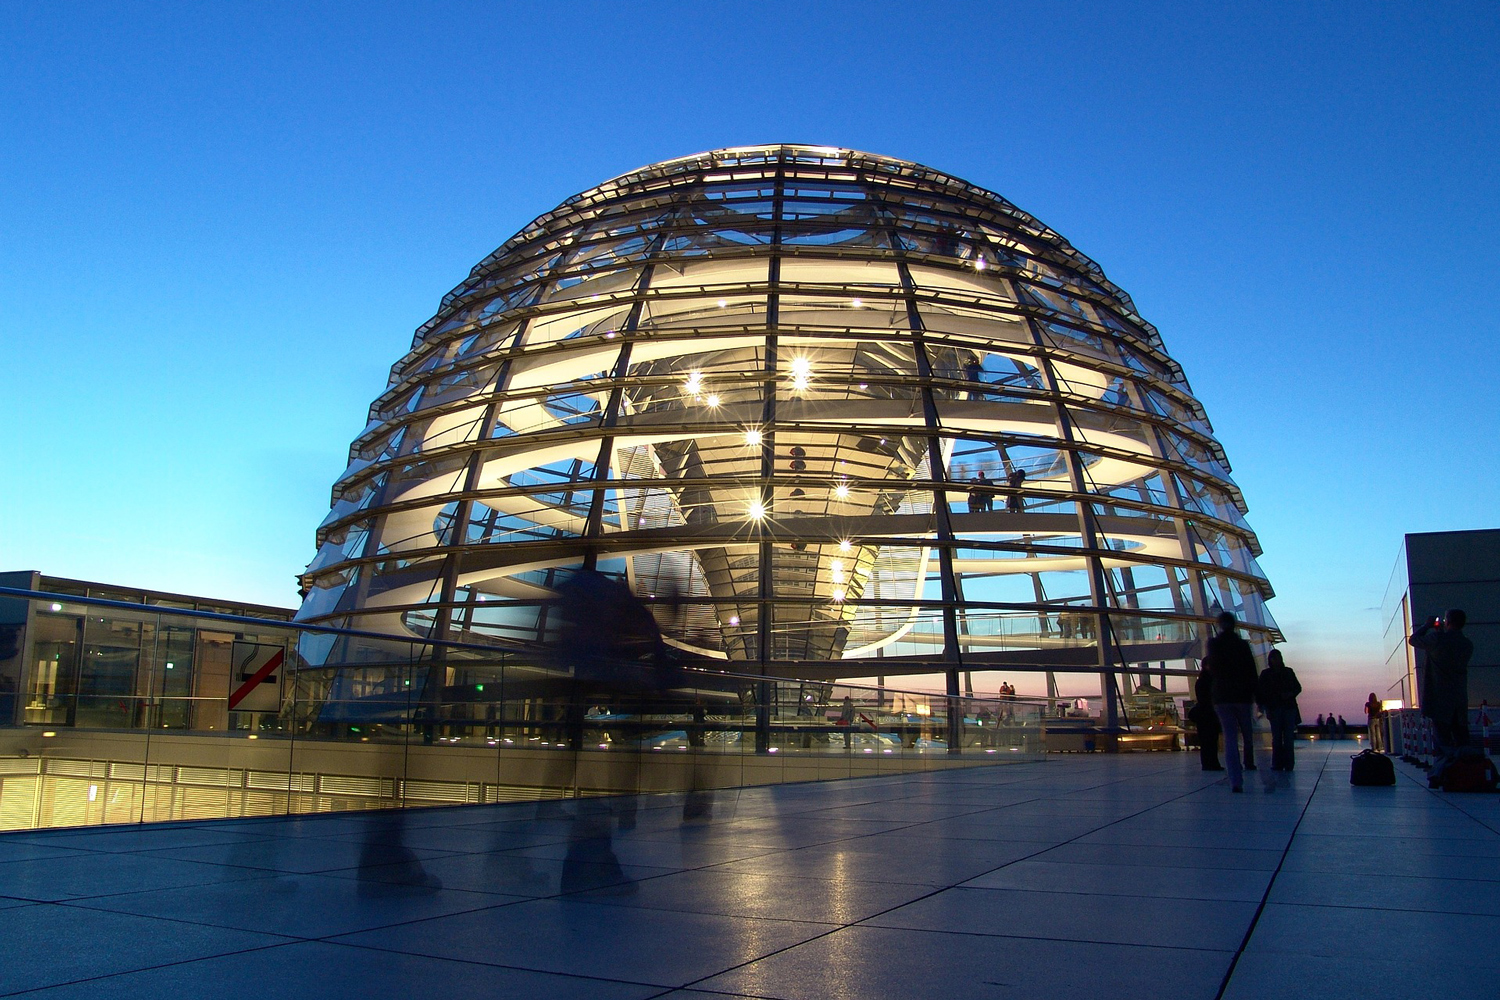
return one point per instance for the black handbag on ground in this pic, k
(1371, 768)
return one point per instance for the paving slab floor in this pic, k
(1077, 876)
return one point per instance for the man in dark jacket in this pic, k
(1445, 685)
(1231, 664)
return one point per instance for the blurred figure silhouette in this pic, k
(1207, 721)
(613, 646)
(609, 638)
(386, 864)
(591, 862)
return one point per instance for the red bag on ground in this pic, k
(1470, 773)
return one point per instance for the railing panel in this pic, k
(143, 714)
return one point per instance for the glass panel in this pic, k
(303, 721)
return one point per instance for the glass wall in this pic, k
(836, 405)
(130, 713)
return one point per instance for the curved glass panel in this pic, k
(836, 406)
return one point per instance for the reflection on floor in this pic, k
(1084, 876)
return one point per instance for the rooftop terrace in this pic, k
(1088, 875)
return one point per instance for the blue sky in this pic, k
(219, 225)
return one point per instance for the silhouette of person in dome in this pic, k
(1014, 481)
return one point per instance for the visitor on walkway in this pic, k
(1232, 666)
(1014, 481)
(1372, 722)
(1276, 693)
(1207, 721)
(1445, 686)
(1343, 729)
(979, 498)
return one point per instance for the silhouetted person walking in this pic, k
(1231, 664)
(1276, 693)
(1445, 685)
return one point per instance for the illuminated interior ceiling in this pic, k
(759, 384)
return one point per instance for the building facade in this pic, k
(1436, 571)
(835, 414)
(63, 665)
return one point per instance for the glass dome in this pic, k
(834, 414)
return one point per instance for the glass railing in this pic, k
(126, 713)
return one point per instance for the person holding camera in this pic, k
(1445, 685)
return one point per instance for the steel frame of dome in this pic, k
(759, 384)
